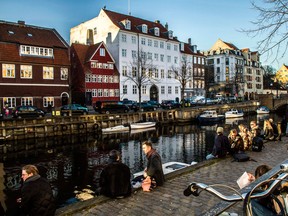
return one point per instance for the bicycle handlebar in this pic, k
(194, 187)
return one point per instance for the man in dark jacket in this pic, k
(115, 179)
(154, 169)
(221, 145)
(37, 196)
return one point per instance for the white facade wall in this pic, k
(104, 27)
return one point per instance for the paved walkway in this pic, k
(169, 199)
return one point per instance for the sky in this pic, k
(204, 21)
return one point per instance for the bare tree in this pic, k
(183, 74)
(271, 26)
(142, 72)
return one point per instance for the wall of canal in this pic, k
(17, 129)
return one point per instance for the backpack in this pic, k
(257, 144)
(241, 157)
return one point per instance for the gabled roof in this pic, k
(21, 33)
(219, 44)
(188, 50)
(117, 19)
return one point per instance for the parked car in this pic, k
(66, 110)
(170, 104)
(155, 103)
(112, 108)
(27, 111)
(145, 106)
(131, 104)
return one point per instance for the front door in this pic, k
(154, 94)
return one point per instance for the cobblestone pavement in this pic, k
(169, 199)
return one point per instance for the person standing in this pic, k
(154, 170)
(221, 145)
(36, 194)
(115, 177)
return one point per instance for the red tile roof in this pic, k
(30, 35)
(117, 18)
(188, 50)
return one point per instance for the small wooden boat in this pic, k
(210, 116)
(116, 129)
(234, 113)
(263, 110)
(142, 125)
(135, 131)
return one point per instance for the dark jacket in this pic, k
(37, 197)
(115, 180)
(236, 145)
(221, 146)
(154, 167)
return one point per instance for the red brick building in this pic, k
(34, 65)
(93, 73)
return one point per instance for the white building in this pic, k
(129, 37)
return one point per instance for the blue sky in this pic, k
(204, 21)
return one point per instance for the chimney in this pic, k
(189, 41)
(166, 26)
(21, 22)
(157, 21)
(109, 38)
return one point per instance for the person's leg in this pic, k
(210, 156)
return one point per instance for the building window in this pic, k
(175, 47)
(124, 38)
(111, 92)
(117, 93)
(176, 90)
(95, 31)
(106, 93)
(134, 71)
(168, 46)
(64, 73)
(26, 71)
(99, 78)
(134, 54)
(133, 38)
(125, 91)
(127, 24)
(105, 79)
(162, 89)
(144, 89)
(134, 89)
(36, 51)
(170, 34)
(168, 58)
(100, 92)
(156, 56)
(48, 101)
(102, 52)
(8, 70)
(9, 101)
(94, 92)
(156, 31)
(149, 42)
(169, 89)
(175, 60)
(161, 44)
(144, 28)
(93, 64)
(155, 43)
(143, 41)
(124, 52)
(115, 79)
(149, 56)
(162, 74)
(124, 70)
(27, 101)
(218, 60)
(156, 73)
(161, 57)
(48, 73)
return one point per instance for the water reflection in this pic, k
(72, 163)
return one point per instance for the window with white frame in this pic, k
(162, 89)
(105, 65)
(176, 60)
(95, 31)
(125, 90)
(111, 78)
(111, 92)
(64, 73)
(124, 70)
(169, 89)
(117, 93)
(176, 90)
(162, 74)
(105, 79)
(102, 52)
(8, 70)
(170, 34)
(143, 41)
(36, 51)
(156, 56)
(115, 79)
(48, 101)
(134, 53)
(133, 39)
(175, 47)
(134, 89)
(156, 73)
(93, 64)
(156, 31)
(99, 78)
(124, 52)
(26, 71)
(134, 71)
(168, 58)
(27, 101)
(124, 38)
(155, 43)
(169, 74)
(168, 46)
(100, 92)
(144, 89)
(161, 44)
(48, 72)
(127, 24)
(161, 57)
(149, 55)
(144, 28)
(9, 101)
(99, 65)
(94, 92)
(106, 93)
(149, 42)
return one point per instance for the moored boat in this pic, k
(234, 113)
(142, 125)
(210, 116)
(263, 110)
(115, 129)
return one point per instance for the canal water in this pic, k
(72, 164)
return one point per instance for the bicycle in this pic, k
(251, 206)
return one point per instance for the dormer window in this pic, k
(29, 35)
(156, 31)
(127, 24)
(11, 32)
(144, 28)
(170, 34)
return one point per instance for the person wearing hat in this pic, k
(221, 145)
(115, 177)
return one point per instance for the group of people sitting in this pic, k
(241, 141)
